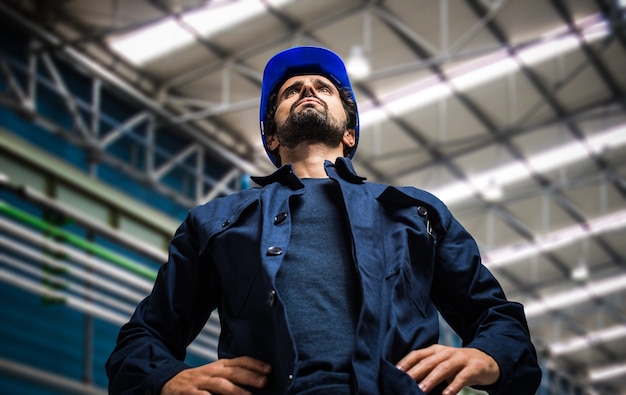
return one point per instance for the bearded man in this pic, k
(324, 283)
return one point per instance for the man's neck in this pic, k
(308, 159)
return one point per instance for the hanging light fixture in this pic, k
(581, 271)
(358, 64)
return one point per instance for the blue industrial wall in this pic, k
(46, 334)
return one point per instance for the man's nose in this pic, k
(307, 90)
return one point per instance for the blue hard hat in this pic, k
(302, 61)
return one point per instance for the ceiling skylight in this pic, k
(607, 373)
(507, 255)
(149, 43)
(541, 163)
(589, 340)
(480, 71)
(581, 294)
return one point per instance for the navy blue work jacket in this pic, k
(412, 257)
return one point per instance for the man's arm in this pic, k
(151, 347)
(497, 353)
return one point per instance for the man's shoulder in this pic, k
(403, 193)
(223, 204)
(404, 196)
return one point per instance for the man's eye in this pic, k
(324, 89)
(291, 92)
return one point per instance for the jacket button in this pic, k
(271, 298)
(421, 210)
(274, 251)
(280, 218)
(289, 379)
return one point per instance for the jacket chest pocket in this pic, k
(234, 250)
(410, 253)
(411, 239)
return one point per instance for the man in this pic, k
(325, 283)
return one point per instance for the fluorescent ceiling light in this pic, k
(507, 255)
(483, 70)
(543, 162)
(151, 42)
(591, 339)
(580, 294)
(146, 44)
(607, 373)
(565, 236)
(427, 91)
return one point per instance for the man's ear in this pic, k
(349, 138)
(272, 142)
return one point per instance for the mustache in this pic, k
(317, 99)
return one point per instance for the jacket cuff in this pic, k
(505, 363)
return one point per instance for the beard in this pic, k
(310, 125)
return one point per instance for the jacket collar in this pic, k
(285, 175)
(344, 169)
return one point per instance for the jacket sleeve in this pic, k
(472, 301)
(151, 347)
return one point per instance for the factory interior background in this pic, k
(118, 116)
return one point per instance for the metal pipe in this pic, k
(60, 283)
(32, 195)
(81, 305)
(52, 294)
(211, 329)
(28, 253)
(87, 260)
(76, 241)
(50, 380)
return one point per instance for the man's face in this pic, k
(309, 109)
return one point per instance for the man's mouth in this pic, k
(309, 101)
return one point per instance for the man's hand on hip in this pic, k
(459, 366)
(222, 377)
